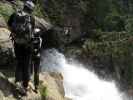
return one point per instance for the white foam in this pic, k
(80, 83)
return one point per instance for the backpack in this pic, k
(21, 28)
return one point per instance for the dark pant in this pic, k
(23, 68)
(36, 68)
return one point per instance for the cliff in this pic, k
(51, 88)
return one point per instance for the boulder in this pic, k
(5, 41)
(52, 83)
(42, 24)
(2, 22)
(6, 49)
(8, 92)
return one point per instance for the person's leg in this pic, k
(18, 71)
(26, 68)
(36, 71)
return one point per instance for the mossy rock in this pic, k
(6, 10)
(43, 91)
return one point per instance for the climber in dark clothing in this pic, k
(22, 24)
(36, 42)
(23, 57)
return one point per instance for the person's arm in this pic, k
(33, 23)
(9, 23)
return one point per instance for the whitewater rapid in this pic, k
(79, 83)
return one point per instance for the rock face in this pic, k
(6, 48)
(2, 22)
(42, 24)
(52, 82)
(51, 87)
(76, 17)
(5, 41)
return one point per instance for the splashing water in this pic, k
(80, 83)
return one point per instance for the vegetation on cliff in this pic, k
(109, 28)
(107, 24)
(5, 10)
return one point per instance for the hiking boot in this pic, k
(23, 91)
(31, 86)
(18, 85)
(20, 90)
(36, 89)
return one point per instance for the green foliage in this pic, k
(6, 10)
(43, 91)
(65, 12)
(117, 48)
(38, 11)
(113, 23)
(101, 12)
(129, 24)
(55, 9)
(110, 17)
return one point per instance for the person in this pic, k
(21, 24)
(36, 42)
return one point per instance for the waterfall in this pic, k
(79, 82)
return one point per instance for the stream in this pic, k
(79, 82)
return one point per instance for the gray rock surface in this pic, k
(54, 84)
(6, 48)
(43, 24)
(8, 92)
(2, 22)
